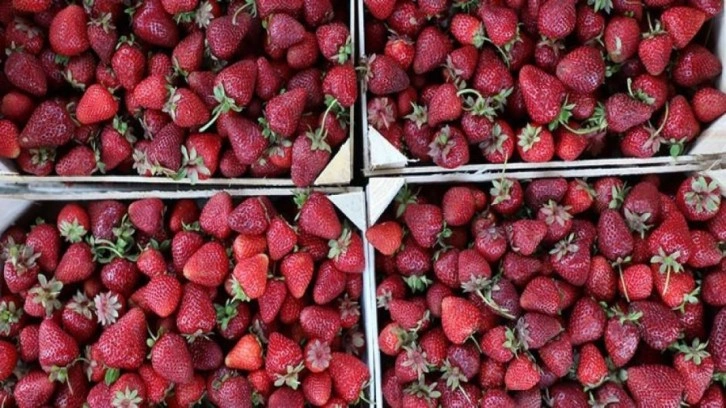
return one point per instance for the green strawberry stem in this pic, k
(226, 104)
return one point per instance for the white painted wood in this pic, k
(12, 209)
(380, 193)
(339, 171)
(352, 205)
(382, 153)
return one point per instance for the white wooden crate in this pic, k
(19, 201)
(381, 158)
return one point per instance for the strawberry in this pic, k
(33, 390)
(26, 73)
(696, 368)
(655, 385)
(592, 369)
(129, 65)
(384, 76)
(500, 23)
(468, 30)
(297, 269)
(614, 239)
(225, 385)
(76, 265)
(196, 314)
(380, 9)
(682, 24)
(160, 296)
(449, 148)
(283, 112)
(252, 276)
(459, 319)
(587, 322)
(246, 354)
(347, 252)
(522, 374)
(57, 348)
(708, 104)
(213, 218)
(310, 155)
(543, 93)
(226, 33)
(340, 83)
(186, 108)
(526, 235)
(659, 325)
(445, 105)
(349, 374)
(317, 216)
(245, 137)
(622, 38)
(535, 144)
(208, 266)
(281, 238)
(698, 198)
(556, 18)
(152, 24)
(582, 70)
(123, 345)
(50, 125)
(557, 355)
(694, 65)
(171, 359)
(283, 31)
(624, 112)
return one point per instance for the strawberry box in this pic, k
(394, 145)
(413, 327)
(189, 75)
(136, 215)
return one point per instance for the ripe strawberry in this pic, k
(694, 65)
(340, 83)
(347, 252)
(698, 198)
(123, 345)
(171, 359)
(384, 76)
(225, 385)
(682, 24)
(208, 266)
(160, 296)
(543, 93)
(152, 24)
(459, 319)
(556, 19)
(655, 385)
(186, 108)
(129, 65)
(283, 112)
(522, 374)
(34, 389)
(535, 144)
(622, 38)
(445, 105)
(468, 30)
(24, 71)
(297, 269)
(67, 33)
(624, 112)
(49, 126)
(659, 325)
(349, 374)
(708, 104)
(526, 235)
(246, 354)
(380, 9)
(582, 70)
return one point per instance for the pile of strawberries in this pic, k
(559, 293)
(121, 305)
(179, 88)
(453, 82)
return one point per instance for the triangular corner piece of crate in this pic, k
(382, 153)
(352, 205)
(381, 191)
(339, 170)
(712, 140)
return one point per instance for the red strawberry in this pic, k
(186, 108)
(699, 198)
(161, 295)
(57, 348)
(79, 161)
(297, 269)
(582, 70)
(592, 369)
(76, 265)
(556, 19)
(522, 374)
(208, 266)
(659, 325)
(380, 9)
(9, 146)
(543, 93)
(500, 23)
(432, 46)
(49, 126)
(251, 273)
(459, 319)
(384, 76)
(283, 112)
(171, 359)
(535, 144)
(245, 137)
(129, 65)
(152, 24)
(694, 65)
(696, 367)
(654, 50)
(226, 33)
(340, 83)
(682, 24)
(623, 112)
(622, 38)
(708, 104)
(196, 314)
(67, 33)
(655, 385)
(123, 345)
(246, 354)
(284, 31)
(215, 212)
(445, 105)
(147, 215)
(25, 72)
(34, 389)
(349, 374)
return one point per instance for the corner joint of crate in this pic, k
(380, 193)
(382, 153)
